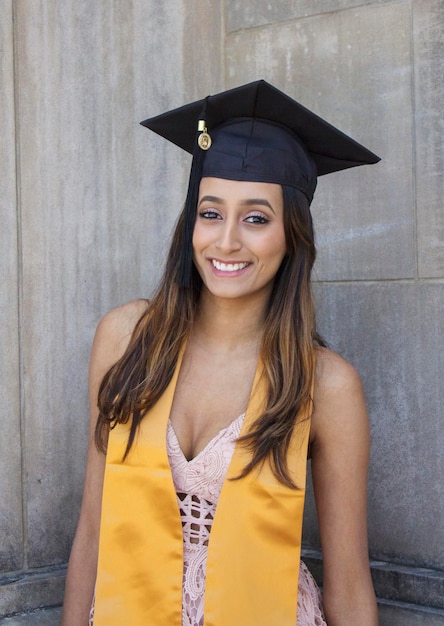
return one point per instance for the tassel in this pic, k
(202, 143)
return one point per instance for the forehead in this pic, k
(239, 190)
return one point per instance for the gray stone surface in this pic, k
(43, 617)
(353, 68)
(240, 14)
(412, 585)
(32, 590)
(394, 334)
(202, 62)
(393, 583)
(399, 615)
(428, 32)
(98, 199)
(11, 524)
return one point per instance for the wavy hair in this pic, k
(134, 384)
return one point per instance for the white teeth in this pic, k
(228, 267)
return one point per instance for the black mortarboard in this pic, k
(257, 133)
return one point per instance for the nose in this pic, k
(229, 237)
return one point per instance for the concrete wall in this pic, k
(88, 199)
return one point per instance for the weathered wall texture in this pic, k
(88, 200)
(11, 551)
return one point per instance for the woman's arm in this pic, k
(111, 339)
(340, 442)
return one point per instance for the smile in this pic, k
(228, 267)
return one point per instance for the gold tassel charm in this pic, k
(204, 139)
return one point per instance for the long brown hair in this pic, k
(135, 383)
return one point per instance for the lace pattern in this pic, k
(198, 485)
(310, 611)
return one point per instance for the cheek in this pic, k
(276, 246)
(199, 242)
(197, 237)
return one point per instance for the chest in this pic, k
(211, 392)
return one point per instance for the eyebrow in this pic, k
(249, 202)
(258, 201)
(211, 199)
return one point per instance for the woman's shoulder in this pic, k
(115, 329)
(339, 403)
(334, 373)
(122, 320)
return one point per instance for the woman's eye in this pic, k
(257, 219)
(209, 214)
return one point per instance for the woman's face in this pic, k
(239, 238)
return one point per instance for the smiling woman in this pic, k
(206, 401)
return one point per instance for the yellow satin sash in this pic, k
(254, 548)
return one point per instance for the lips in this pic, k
(228, 267)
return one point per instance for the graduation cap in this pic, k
(256, 133)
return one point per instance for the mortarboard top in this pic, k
(262, 135)
(255, 133)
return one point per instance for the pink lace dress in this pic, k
(198, 483)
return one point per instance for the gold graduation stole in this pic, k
(255, 542)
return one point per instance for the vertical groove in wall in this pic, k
(19, 275)
(413, 96)
(223, 37)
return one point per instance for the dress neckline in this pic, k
(210, 443)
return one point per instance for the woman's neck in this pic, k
(229, 324)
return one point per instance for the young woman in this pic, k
(208, 399)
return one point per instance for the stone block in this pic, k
(352, 67)
(99, 197)
(410, 585)
(32, 591)
(394, 584)
(428, 37)
(241, 14)
(202, 49)
(394, 333)
(11, 522)
(393, 614)
(43, 617)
